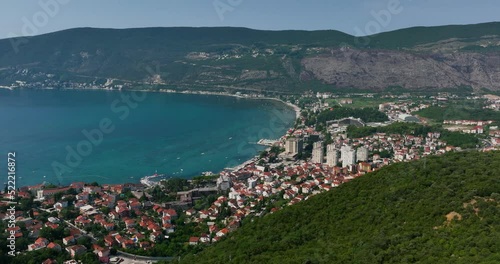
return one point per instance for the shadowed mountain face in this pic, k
(246, 59)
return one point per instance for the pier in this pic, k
(149, 182)
(267, 142)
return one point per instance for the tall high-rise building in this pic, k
(317, 153)
(293, 146)
(348, 156)
(362, 154)
(332, 155)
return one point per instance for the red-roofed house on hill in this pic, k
(109, 241)
(68, 240)
(193, 241)
(222, 232)
(54, 246)
(45, 193)
(102, 252)
(76, 250)
(479, 129)
(50, 261)
(39, 244)
(77, 186)
(170, 212)
(128, 244)
(35, 188)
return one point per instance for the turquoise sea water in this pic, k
(176, 134)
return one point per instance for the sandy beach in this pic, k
(293, 106)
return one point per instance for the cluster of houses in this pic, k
(69, 244)
(494, 134)
(473, 126)
(405, 147)
(476, 127)
(209, 216)
(253, 189)
(401, 110)
(126, 222)
(345, 101)
(492, 102)
(250, 187)
(467, 122)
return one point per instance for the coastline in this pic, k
(253, 159)
(295, 108)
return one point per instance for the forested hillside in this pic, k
(437, 210)
(289, 61)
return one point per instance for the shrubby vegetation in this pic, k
(458, 112)
(395, 215)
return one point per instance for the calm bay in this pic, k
(180, 135)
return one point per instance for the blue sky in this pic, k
(29, 17)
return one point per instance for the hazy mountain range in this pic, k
(288, 61)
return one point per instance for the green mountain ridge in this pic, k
(415, 36)
(257, 60)
(442, 209)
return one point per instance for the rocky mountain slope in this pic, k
(378, 69)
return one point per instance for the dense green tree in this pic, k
(25, 204)
(399, 214)
(89, 258)
(459, 111)
(52, 234)
(84, 240)
(176, 184)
